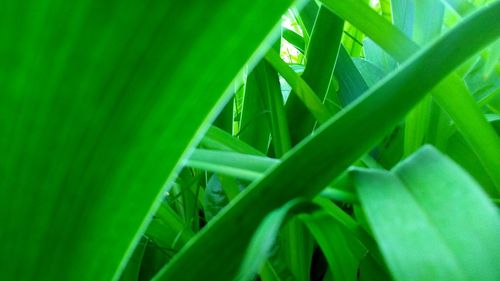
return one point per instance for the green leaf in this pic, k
(131, 271)
(249, 167)
(215, 197)
(320, 158)
(351, 82)
(255, 128)
(403, 14)
(218, 139)
(321, 57)
(342, 251)
(299, 86)
(265, 237)
(168, 230)
(274, 102)
(462, 7)
(427, 23)
(100, 102)
(461, 106)
(370, 72)
(369, 270)
(431, 219)
(378, 56)
(295, 39)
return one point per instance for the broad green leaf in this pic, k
(431, 220)
(461, 106)
(100, 101)
(320, 158)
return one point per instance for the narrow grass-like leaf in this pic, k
(321, 57)
(249, 167)
(311, 165)
(308, 16)
(218, 139)
(299, 86)
(351, 83)
(337, 216)
(462, 7)
(342, 251)
(385, 7)
(168, 230)
(422, 236)
(426, 25)
(265, 237)
(273, 100)
(293, 38)
(254, 125)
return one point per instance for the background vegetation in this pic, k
(242, 140)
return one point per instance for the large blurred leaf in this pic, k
(218, 250)
(99, 102)
(432, 221)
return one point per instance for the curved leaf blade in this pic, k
(431, 219)
(98, 104)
